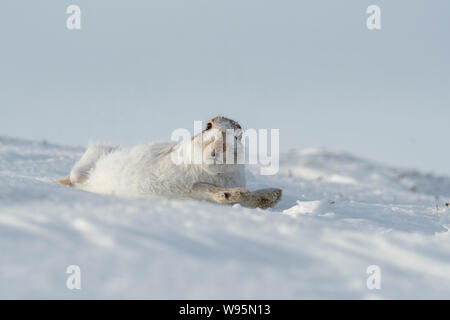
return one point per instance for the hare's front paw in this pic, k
(231, 195)
(264, 198)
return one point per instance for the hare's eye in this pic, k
(209, 126)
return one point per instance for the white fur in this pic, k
(150, 169)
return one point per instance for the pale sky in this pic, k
(137, 70)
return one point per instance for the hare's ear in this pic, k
(238, 134)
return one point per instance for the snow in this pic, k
(339, 215)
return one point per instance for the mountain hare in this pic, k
(196, 168)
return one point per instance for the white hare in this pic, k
(197, 168)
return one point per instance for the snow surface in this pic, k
(339, 214)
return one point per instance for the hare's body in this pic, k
(162, 169)
(144, 170)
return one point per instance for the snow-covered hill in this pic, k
(339, 215)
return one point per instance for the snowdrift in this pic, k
(339, 215)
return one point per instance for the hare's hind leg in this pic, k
(207, 191)
(80, 171)
(264, 198)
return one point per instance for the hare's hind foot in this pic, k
(66, 181)
(264, 198)
(75, 178)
